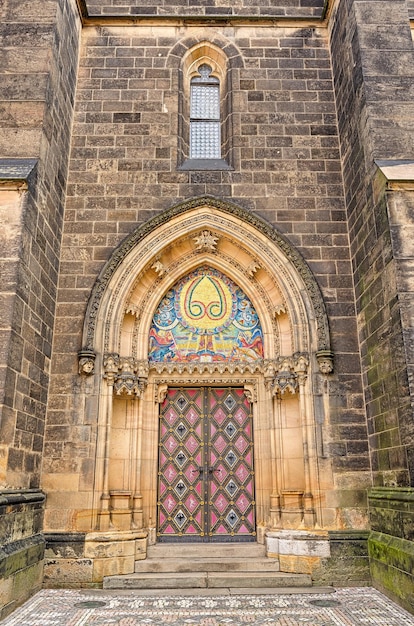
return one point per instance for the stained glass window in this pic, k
(205, 115)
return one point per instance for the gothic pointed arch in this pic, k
(228, 238)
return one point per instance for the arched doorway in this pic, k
(206, 479)
(270, 371)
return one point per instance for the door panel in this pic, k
(206, 478)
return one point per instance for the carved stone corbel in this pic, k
(301, 368)
(161, 391)
(128, 376)
(86, 361)
(111, 367)
(286, 374)
(325, 361)
(250, 391)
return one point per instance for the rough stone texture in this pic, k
(38, 48)
(348, 563)
(373, 66)
(267, 8)
(22, 546)
(373, 69)
(391, 543)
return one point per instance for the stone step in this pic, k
(205, 550)
(216, 564)
(199, 580)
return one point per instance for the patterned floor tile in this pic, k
(346, 607)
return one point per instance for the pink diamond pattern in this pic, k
(217, 444)
(171, 416)
(191, 444)
(240, 415)
(219, 415)
(170, 444)
(191, 473)
(241, 444)
(221, 503)
(191, 503)
(220, 444)
(191, 416)
(170, 473)
(191, 530)
(220, 473)
(242, 473)
(242, 503)
(170, 503)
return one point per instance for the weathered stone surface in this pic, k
(392, 566)
(22, 546)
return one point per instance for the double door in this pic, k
(206, 477)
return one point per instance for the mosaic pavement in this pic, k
(345, 607)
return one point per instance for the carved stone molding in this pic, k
(199, 367)
(288, 250)
(127, 375)
(162, 384)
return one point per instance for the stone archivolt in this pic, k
(150, 243)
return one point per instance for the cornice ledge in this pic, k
(399, 173)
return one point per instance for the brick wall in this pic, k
(39, 48)
(123, 170)
(372, 56)
(279, 8)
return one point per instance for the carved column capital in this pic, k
(127, 375)
(111, 367)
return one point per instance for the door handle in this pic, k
(211, 470)
(200, 470)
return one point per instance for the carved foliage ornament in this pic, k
(206, 241)
(127, 375)
(286, 374)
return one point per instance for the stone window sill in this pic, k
(204, 164)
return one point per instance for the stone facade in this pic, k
(309, 210)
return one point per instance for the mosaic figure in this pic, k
(205, 317)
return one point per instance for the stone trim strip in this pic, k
(21, 497)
